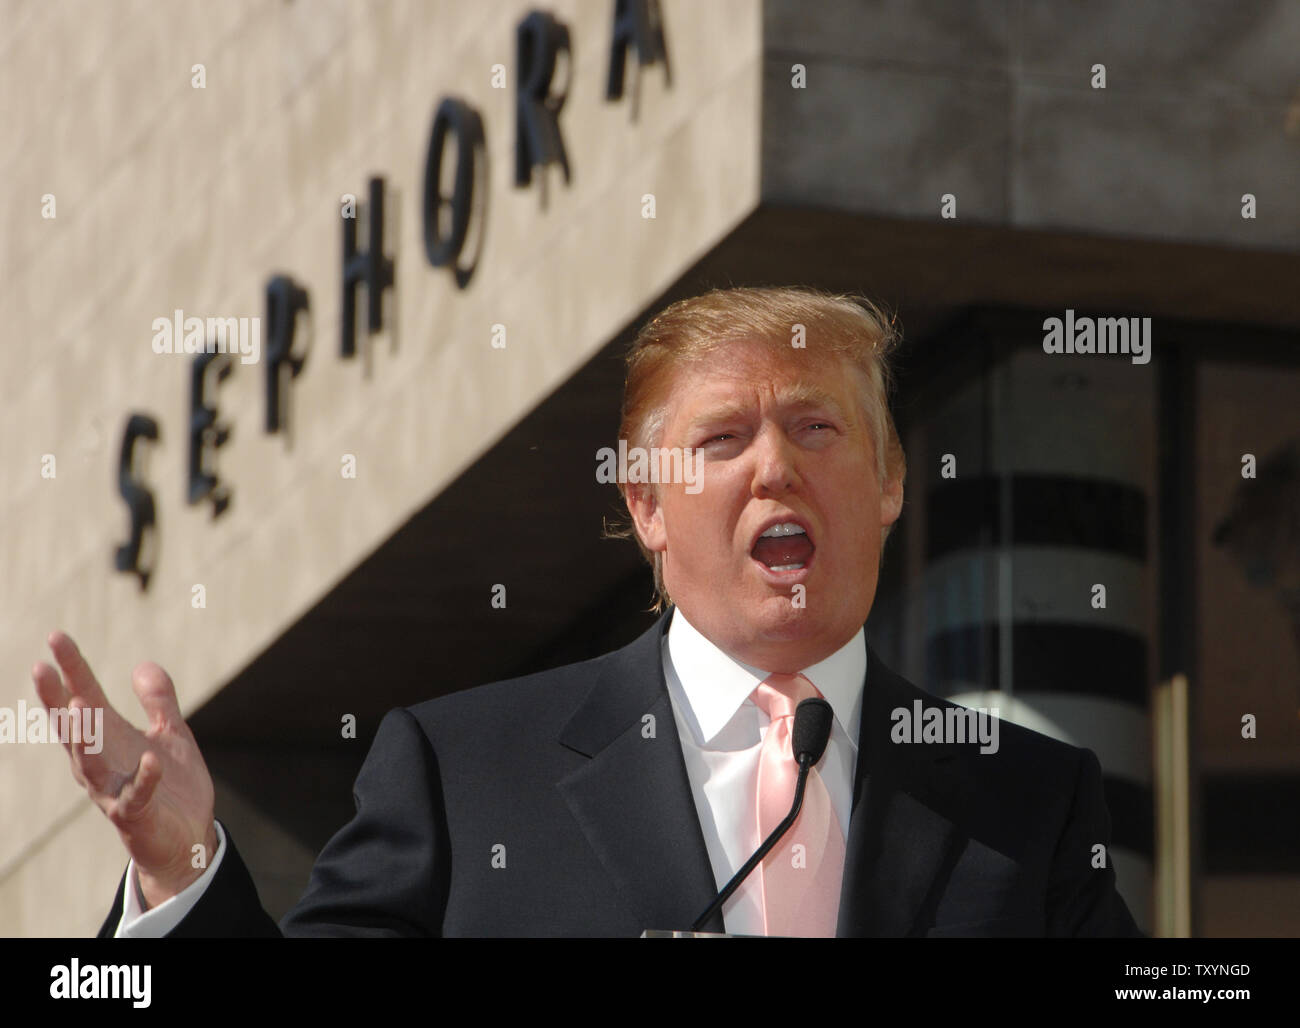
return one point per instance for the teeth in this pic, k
(787, 567)
(788, 528)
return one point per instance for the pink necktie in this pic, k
(801, 877)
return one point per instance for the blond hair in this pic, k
(801, 324)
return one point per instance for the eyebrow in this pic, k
(795, 397)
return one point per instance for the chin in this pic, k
(778, 620)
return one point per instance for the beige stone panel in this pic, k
(208, 23)
(107, 110)
(21, 17)
(185, 146)
(148, 205)
(70, 874)
(44, 54)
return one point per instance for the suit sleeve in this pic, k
(386, 872)
(229, 907)
(383, 874)
(1082, 900)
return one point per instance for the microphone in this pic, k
(808, 739)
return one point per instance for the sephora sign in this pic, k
(540, 42)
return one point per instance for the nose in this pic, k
(775, 464)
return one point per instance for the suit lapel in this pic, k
(898, 848)
(632, 799)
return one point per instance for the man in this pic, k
(620, 794)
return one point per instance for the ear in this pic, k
(647, 516)
(891, 501)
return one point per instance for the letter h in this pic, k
(371, 267)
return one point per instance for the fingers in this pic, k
(84, 700)
(49, 687)
(153, 688)
(118, 773)
(94, 768)
(78, 678)
(133, 800)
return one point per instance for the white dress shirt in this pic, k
(721, 731)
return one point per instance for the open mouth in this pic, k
(783, 547)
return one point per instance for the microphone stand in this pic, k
(805, 765)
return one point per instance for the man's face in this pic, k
(782, 441)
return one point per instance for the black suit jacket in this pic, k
(558, 804)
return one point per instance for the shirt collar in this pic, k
(715, 685)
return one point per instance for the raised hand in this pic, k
(153, 785)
